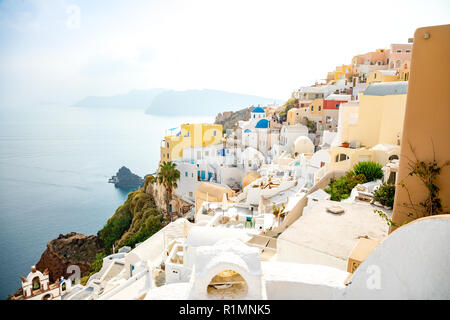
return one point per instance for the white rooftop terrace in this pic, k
(321, 237)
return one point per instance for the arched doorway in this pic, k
(227, 284)
(36, 284)
(47, 296)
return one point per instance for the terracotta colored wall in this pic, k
(427, 116)
(331, 104)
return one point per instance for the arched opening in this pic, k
(63, 287)
(47, 296)
(393, 157)
(36, 283)
(227, 284)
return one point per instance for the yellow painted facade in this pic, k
(293, 116)
(379, 119)
(379, 76)
(342, 71)
(376, 120)
(192, 135)
(315, 109)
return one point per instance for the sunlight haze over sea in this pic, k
(55, 162)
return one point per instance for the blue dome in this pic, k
(263, 124)
(247, 131)
(258, 109)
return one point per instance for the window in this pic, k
(215, 133)
(186, 174)
(190, 194)
(408, 51)
(329, 119)
(337, 105)
(312, 108)
(399, 51)
(167, 144)
(320, 107)
(167, 156)
(375, 75)
(341, 157)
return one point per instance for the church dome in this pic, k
(258, 109)
(263, 124)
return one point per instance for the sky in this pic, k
(60, 51)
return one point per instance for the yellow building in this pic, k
(379, 116)
(376, 124)
(191, 135)
(293, 116)
(342, 72)
(315, 109)
(383, 76)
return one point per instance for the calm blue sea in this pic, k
(54, 166)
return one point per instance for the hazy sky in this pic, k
(60, 51)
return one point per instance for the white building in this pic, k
(289, 134)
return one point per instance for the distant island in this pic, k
(136, 99)
(203, 102)
(163, 102)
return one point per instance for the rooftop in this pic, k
(387, 88)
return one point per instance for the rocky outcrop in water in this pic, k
(126, 179)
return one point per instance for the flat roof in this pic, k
(387, 88)
(334, 234)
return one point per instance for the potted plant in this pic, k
(345, 144)
(275, 210)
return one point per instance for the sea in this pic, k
(55, 162)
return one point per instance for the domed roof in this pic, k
(249, 178)
(258, 109)
(247, 130)
(263, 124)
(303, 144)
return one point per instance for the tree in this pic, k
(168, 176)
(291, 103)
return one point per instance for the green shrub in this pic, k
(340, 188)
(371, 170)
(385, 195)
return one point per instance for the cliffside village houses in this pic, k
(254, 221)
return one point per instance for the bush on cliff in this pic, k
(134, 221)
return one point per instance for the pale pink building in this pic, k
(399, 54)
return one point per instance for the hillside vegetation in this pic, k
(134, 221)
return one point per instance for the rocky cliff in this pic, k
(70, 249)
(230, 119)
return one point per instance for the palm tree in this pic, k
(168, 176)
